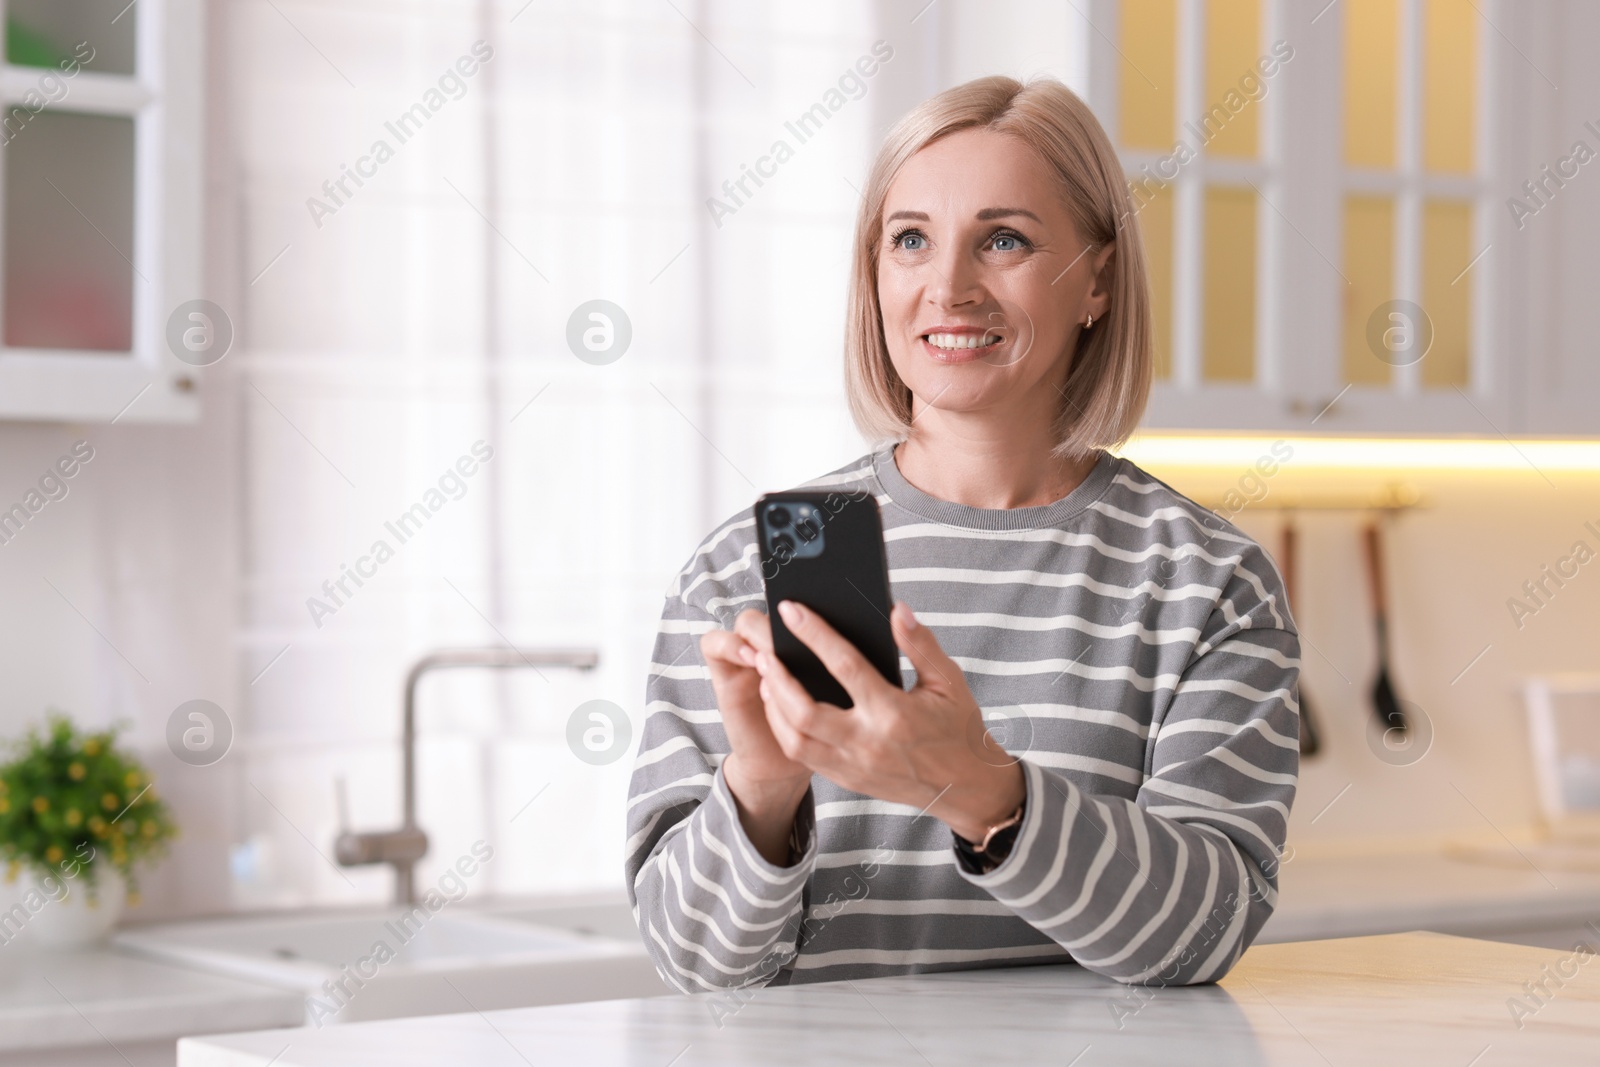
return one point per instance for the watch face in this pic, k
(996, 846)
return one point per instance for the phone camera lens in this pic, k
(778, 517)
(807, 529)
(783, 544)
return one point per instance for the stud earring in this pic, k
(1089, 323)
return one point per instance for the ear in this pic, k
(1097, 301)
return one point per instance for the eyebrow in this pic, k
(988, 214)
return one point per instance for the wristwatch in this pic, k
(991, 852)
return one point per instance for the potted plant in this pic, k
(77, 814)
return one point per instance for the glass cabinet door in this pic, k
(68, 176)
(1409, 189)
(1311, 188)
(44, 33)
(101, 105)
(68, 228)
(1194, 172)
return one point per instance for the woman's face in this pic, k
(983, 280)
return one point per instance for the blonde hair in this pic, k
(1109, 379)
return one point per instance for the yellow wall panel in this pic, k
(1233, 44)
(1148, 81)
(1371, 81)
(1446, 292)
(1228, 336)
(1449, 84)
(1369, 266)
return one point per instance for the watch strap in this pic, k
(985, 856)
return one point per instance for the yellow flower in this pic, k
(76, 771)
(119, 858)
(91, 747)
(73, 817)
(110, 802)
(12, 870)
(148, 828)
(132, 780)
(41, 805)
(5, 805)
(97, 824)
(53, 854)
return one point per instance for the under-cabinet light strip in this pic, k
(1533, 455)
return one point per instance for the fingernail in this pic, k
(747, 655)
(791, 612)
(908, 618)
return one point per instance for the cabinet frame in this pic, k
(165, 99)
(1301, 179)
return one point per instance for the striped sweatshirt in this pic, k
(1130, 648)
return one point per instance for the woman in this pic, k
(1136, 648)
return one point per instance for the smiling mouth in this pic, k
(959, 341)
(960, 347)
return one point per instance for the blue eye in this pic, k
(1008, 242)
(911, 241)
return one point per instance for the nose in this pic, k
(957, 279)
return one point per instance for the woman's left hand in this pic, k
(927, 747)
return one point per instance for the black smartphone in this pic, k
(824, 549)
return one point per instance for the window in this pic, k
(590, 158)
(431, 311)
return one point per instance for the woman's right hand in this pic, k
(766, 784)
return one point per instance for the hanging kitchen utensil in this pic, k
(1384, 700)
(1310, 741)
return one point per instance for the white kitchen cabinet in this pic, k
(100, 210)
(1553, 316)
(1285, 203)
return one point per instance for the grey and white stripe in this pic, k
(1146, 665)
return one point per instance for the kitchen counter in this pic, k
(1477, 892)
(1534, 898)
(1416, 998)
(97, 998)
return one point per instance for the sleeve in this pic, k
(1171, 887)
(714, 914)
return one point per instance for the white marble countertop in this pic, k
(1415, 998)
(56, 999)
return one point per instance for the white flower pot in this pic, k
(72, 920)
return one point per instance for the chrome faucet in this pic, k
(403, 847)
